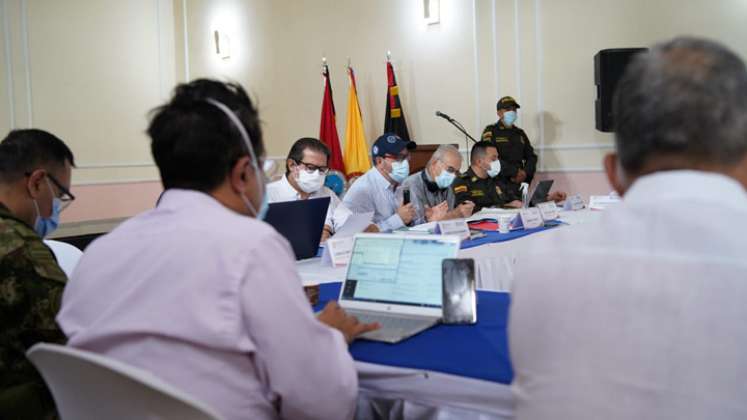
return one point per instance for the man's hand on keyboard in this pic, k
(334, 316)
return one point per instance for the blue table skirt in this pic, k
(477, 351)
(494, 236)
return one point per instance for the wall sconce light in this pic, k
(222, 44)
(432, 11)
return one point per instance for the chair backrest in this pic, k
(87, 386)
(67, 255)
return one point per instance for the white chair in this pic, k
(88, 386)
(66, 254)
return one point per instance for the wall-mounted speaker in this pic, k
(609, 66)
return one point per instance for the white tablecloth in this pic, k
(399, 393)
(494, 262)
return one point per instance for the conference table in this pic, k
(495, 255)
(447, 371)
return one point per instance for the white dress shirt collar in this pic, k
(380, 181)
(689, 185)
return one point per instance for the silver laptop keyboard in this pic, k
(392, 322)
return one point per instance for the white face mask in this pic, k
(495, 168)
(310, 182)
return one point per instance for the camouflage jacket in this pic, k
(31, 285)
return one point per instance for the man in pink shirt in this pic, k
(201, 292)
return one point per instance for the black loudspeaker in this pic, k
(609, 66)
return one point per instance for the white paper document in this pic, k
(601, 202)
(355, 223)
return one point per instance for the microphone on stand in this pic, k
(459, 127)
(444, 116)
(456, 124)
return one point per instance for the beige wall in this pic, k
(90, 70)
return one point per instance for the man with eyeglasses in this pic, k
(378, 190)
(305, 171)
(429, 189)
(35, 169)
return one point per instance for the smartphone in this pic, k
(405, 197)
(459, 296)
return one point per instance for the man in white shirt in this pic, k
(305, 171)
(203, 294)
(378, 189)
(641, 315)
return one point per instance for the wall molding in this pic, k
(570, 169)
(517, 48)
(27, 60)
(110, 165)
(144, 180)
(159, 45)
(495, 53)
(538, 46)
(476, 63)
(8, 50)
(185, 34)
(590, 146)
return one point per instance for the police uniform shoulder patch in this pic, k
(460, 189)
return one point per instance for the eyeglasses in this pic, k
(450, 169)
(65, 196)
(310, 168)
(398, 158)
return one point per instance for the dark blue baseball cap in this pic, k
(390, 144)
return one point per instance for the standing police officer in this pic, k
(518, 160)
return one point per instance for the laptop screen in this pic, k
(402, 271)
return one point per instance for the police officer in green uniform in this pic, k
(35, 169)
(518, 160)
(479, 184)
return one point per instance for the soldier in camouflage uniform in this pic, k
(35, 171)
(479, 184)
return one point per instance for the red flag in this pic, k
(394, 119)
(328, 127)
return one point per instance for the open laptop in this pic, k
(301, 222)
(540, 193)
(395, 280)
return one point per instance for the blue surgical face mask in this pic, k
(400, 171)
(44, 226)
(444, 179)
(509, 117)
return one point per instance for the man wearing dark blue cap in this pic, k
(378, 189)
